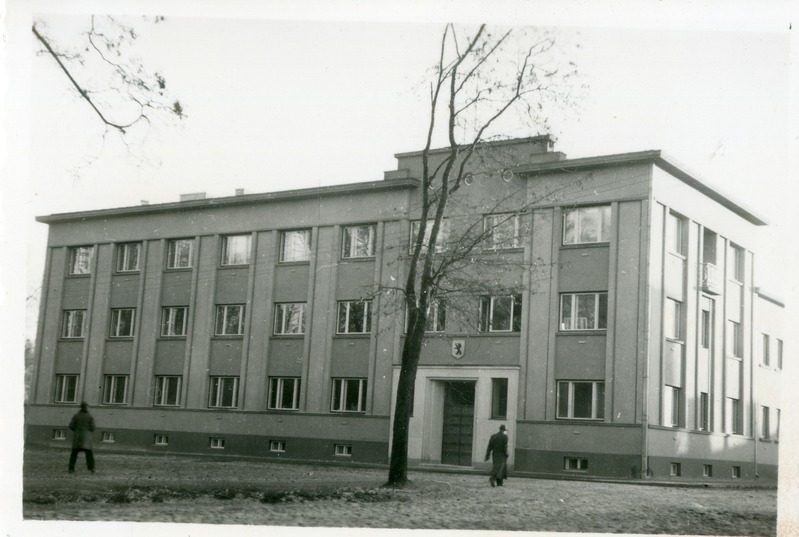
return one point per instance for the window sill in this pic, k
(512, 250)
(678, 255)
(675, 340)
(587, 332)
(357, 259)
(73, 339)
(227, 337)
(287, 336)
(178, 269)
(282, 410)
(599, 244)
(78, 276)
(352, 336)
(128, 272)
(304, 262)
(120, 338)
(234, 267)
(171, 338)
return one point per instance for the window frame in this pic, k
(342, 450)
(671, 406)
(779, 352)
(574, 308)
(216, 442)
(59, 435)
(605, 225)
(338, 404)
(580, 464)
(68, 327)
(675, 469)
(63, 388)
(168, 324)
(766, 358)
(124, 257)
(597, 400)
(672, 319)
(163, 390)
(349, 242)
(499, 398)
(277, 389)
(707, 470)
(765, 422)
(280, 324)
(108, 437)
(76, 260)
(173, 257)
(704, 411)
(160, 439)
(348, 306)
(488, 308)
(441, 239)
(216, 391)
(733, 416)
(491, 225)
(737, 263)
(116, 323)
(277, 446)
(675, 233)
(111, 395)
(225, 317)
(304, 255)
(735, 339)
(228, 257)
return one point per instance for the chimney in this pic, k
(192, 196)
(239, 191)
(145, 202)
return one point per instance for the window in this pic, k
(575, 464)
(179, 253)
(436, 317)
(584, 311)
(733, 416)
(284, 393)
(586, 225)
(707, 470)
(736, 472)
(581, 400)
(675, 469)
(277, 446)
(765, 425)
(122, 321)
(441, 238)
(128, 257)
(115, 388)
(74, 323)
(236, 250)
(736, 263)
(109, 437)
(499, 398)
(80, 260)
(224, 392)
(217, 442)
(349, 395)
(167, 391)
(229, 320)
(174, 320)
(705, 329)
(501, 313)
(59, 434)
(671, 406)
(777, 426)
(355, 317)
(735, 339)
(675, 232)
(295, 246)
(161, 440)
(766, 350)
(66, 389)
(502, 231)
(709, 240)
(290, 318)
(779, 354)
(704, 412)
(359, 241)
(672, 319)
(343, 450)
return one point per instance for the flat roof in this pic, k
(510, 141)
(243, 199)
(655, 157)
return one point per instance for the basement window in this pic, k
(575, 464)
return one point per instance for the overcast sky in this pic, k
(277, 98)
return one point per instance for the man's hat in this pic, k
(83, 405)
(502, 427)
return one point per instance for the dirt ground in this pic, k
(150, 488)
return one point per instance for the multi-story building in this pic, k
(636, 343)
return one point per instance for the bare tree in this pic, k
(480, 79)
(108, 75)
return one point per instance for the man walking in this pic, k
(498, 451)
(82, 425)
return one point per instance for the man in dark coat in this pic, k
(498, 451)
(82, 426)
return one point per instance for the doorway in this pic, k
(458, 429)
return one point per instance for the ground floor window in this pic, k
(704, 412)
(115, 389)
(284, 393)
(224, 392)
(278, 446)
(765, 425)
(499, 398)
(109, 437)
(575, 464)
(167, 391)
(581, 400)
(343, 450)
(736, 472)
(707, 470)
(66, 389)
(217, 442)
(59, 434)
(349, 395)
(161, 440)
(675, 469)
(733, 425)
(671, 406)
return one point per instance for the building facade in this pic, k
(635, 344)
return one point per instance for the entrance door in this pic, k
(456, 441)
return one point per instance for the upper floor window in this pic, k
(501, 313)
(229, 320)
(735, 335)
(672, 319)
(115, 389)
(359, 241)
(349, 395)
(284, 393)
(779, 354)
(765, 424)
(128, 257)
(355, 317)
(733, 416)
(583, 311)
(441, 238)
(167, 391)
(671, 406)
(675, 233)
(179, 253)
(223, 392)
(581, 400)
(586, 225)
(766, 350)
(290, 318)
(174, 320)
(502, 231)
(80, 260)
(74, 324)
(122, 322)
(736, 263)
(295, 245)
(66, 389)
(236, 250)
